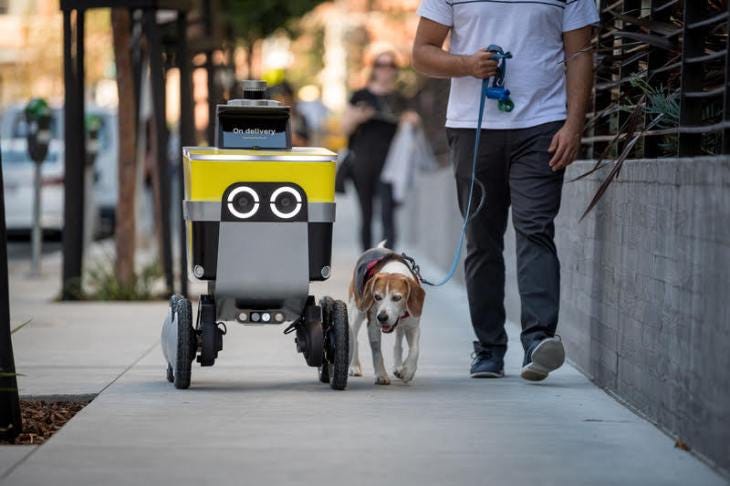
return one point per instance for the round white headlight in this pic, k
(243, 202)
(285, 202)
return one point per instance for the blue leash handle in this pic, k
(494, 90)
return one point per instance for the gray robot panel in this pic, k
(262, 264)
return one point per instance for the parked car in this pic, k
(13, 131)
(18, 184)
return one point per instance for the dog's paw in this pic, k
(405, 373)
(355, 371)
(382, 380)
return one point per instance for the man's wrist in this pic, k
(575, 124)
(462, 66)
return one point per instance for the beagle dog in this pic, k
(387, 295)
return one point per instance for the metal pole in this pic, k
(37, 234)
(158, 102)
(187, 133)
(210, 71)
(11, 424)
(628, 68)
(602, 97)
(693, 76)
(657, 58)
(212, 97)
(726, 100)
(75, 157)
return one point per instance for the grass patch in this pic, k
(102, 283)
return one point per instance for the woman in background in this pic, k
(370, 122)
(284, 93)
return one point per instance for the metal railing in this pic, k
(671, 59)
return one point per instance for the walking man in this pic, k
(522, 153)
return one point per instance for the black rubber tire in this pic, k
(173, 302)
(210, 335)
(185, 343)
(324, 372)
(310, 335)
(313, 336)
(340, 330)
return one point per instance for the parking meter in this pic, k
(93, 124)
(93, 130)
(38, 120)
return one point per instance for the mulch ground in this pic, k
(42, 419)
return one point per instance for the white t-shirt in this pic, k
(532, 31)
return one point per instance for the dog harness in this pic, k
(366, 265)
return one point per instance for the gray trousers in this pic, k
(513, 169)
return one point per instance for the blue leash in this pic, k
(494, 89)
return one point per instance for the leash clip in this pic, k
(495, 89)
(415, 269)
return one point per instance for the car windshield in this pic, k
(20, 156)
(20, 126)
(105, 132)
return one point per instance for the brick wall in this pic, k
(645, 287)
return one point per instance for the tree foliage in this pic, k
(252, 20)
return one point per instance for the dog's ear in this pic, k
(416, 296)
(366, 299)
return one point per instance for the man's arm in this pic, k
(566, 143)
(429, 57)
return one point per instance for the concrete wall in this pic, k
(645, 287)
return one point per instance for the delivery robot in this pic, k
(259, 218)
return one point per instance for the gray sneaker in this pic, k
(487, 362)
(542, 358)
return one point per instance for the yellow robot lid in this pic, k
(295, 154)
(210, 170)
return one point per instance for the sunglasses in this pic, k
(390, 65)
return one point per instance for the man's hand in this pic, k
(363, 112)
(410, 118)
(481, 65)
(565, 146)
(356, 115)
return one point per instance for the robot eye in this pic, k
(285, 202)
(243, 202)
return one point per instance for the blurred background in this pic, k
(643, 307)
(313, 54)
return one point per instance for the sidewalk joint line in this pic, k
(144, 354)
(21, 326)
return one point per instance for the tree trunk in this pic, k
(250, 45)
(125, 217)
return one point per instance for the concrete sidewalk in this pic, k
(260, 416)
(73, 348)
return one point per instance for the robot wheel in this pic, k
(186, 343)
(209, 331)
(334, 368)
(310, 334)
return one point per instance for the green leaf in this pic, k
(252, 20)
